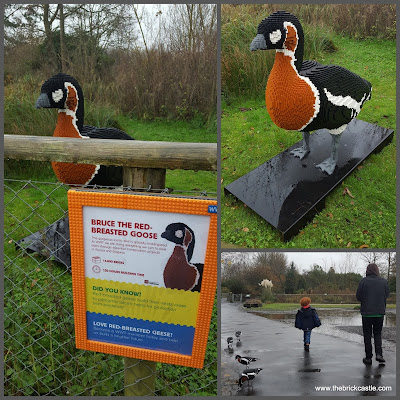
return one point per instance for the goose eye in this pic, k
(57, 95)
(179, 234)
(275, 36)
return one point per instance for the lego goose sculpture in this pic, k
(305, 95)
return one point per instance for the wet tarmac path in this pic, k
(287, 369)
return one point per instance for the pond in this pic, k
(332, 317)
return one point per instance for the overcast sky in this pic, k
(340, 261)
(305, 260)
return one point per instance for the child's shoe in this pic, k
(307, 347)
(367, 361)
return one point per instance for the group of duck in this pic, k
(248, 374)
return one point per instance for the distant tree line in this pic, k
(148, 61)
(243, 274)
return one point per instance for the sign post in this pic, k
(144, 270)
(140, 375)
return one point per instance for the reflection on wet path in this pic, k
(338, 322)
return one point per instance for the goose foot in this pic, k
(327, 166)
(300, 152)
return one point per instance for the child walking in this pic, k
(307, 319)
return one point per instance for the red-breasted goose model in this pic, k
(179, 272)
(305, 95)
(64, 93)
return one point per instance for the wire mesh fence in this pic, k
(40, 357)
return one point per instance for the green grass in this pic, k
(249, 138)
(296, 306)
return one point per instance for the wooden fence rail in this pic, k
(127, 153)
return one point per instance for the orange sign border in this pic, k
(77, 199)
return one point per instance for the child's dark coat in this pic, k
(307, 319)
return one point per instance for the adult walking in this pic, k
(372, 292)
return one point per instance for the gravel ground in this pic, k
(388, 333)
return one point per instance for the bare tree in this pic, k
(384, 260)
(275, 265)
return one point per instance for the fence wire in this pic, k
(40, 357)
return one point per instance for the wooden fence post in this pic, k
(144, 177)
(140, 375)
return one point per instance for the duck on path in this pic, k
(245, 360)
(248, 376)
(64, 93)
(305, 95)
(238, 334)
(179, 272)
(230, 344)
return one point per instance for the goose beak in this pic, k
(258, 43)
(43, 101)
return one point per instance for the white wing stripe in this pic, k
(346, 101)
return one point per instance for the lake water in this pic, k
(332, 317)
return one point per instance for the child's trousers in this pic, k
(307, 337)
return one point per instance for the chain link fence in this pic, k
(40, 357)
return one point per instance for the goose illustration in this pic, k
(305, 95)
(179, 272)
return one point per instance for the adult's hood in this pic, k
(372, 269)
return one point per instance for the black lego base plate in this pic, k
(287, 192)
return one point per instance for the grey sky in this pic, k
(340, 261)
(305, 260)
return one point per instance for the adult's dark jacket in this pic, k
(307, 319)
(372, 292)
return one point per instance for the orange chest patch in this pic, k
(65, 126)
(289, 99)
(178, 274)
(70, 173)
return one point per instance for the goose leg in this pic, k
(329, 164)
(302, 151)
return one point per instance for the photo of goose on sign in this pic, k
(132, 258)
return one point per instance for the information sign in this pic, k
(144, 271)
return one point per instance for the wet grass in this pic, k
(366, 220)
